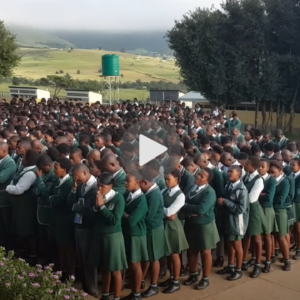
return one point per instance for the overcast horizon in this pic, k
(93, 15)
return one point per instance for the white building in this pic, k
(83, 96)
(28, 92)
(192, 98)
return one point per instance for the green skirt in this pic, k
(271, 221)
(201, 237)
(156, 243)
(257, 220)
(282, 222)
(297, 212)
(290, 215)
(136, 248)
(107, 251)
(174, 236)
(232, 237)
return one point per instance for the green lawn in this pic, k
(37, 63)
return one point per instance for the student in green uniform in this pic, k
(135, 232)
(12, 142)
(279, 204)
(280, 139)
(287, 157)
(155, 231)
(158, 178)
(236, 203)
(44, 180)
(22, 147)
(99, 142)
(110, 164)
(257, 219)
(200, 227)
(295, 168)
(81, 200)
(62, 218)
(75, 156)
(176, 241)
(116, 140)
(266, 201)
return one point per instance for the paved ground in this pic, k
(275, 285)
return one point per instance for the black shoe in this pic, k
(191, 280)
(276, 251)
(244, 266)
(203, 283)
(162, 274)
(182, 271)
(102, 298)
(287, 265)
(251, 262)
(266, 268)
(172, 288)
(132, 297)
(128, 286)
(297, 255)
(256, 272)
(273, 259)
(151, 291)
(219, 262)
(165, 283)
(226, 270)
(235, 276)
(293, 248)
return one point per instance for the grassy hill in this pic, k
(37, 63)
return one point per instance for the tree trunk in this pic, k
(256, 113)
(264, 116)
(278, 114)
(292, 112)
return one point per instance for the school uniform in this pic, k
(281, 143)
(134, 227)
(200, 231)
(43, 141)
(154, 223)
(237, 207)
(7, 171)
(119, 181)
(257, 219)
(160, 181)
(75, 144)
(289, 201)
(163, 161)
(176, 241)
(187, 179)
(296, 200)
(160, 133)
(266, 202)
(286, 169)
(279, 204)
(82, 202)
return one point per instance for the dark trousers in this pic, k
(5, 228)
(88, 273)
(67, 258)
(45, 256)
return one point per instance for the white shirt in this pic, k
(177, 204)
(109, 195)
(102, 149)
(233, 185)
(279, 178)
(257, 187)
(154, 186)
(266, 176)
(197, 188)
(24, 183)
(62, 180)
(135, 194)
(210, 165)
(90, 183)
(296, 174)
(236, 163)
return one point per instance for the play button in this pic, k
(149, 149)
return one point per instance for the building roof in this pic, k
(23, 87)
(154, 90)
(193, 96)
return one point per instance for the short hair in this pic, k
(76, 150)
(210, 174)
(297, 160)
(237, 168)
(80, 167)
(276, 164)
(126, 147)
(254, 149)
(242, 156)
(269, 147)
(106, 179)
(175, 173)
(153, 164)
(53, 153)
(116, 137)
(254, 161)
(246, 150)
(43, 160)
(226, 140)
(31, 157)
(84, 138)
(186, 162)
(63, 148)
(146, 175)
(204, 140)
(84, 150)
(228, 149)
(177, 150)
(265, 161)
(218, 149)
(65, 164)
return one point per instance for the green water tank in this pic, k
(110, 65)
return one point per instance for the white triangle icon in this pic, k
(149, 149)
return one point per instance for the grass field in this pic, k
(37, 63)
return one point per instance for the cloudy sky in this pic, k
(98, 14)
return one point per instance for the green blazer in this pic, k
(218, 183)
(281, 193)
(7, 171)
(297, 189)
(119, 183)
(267, 195)
(187, 179)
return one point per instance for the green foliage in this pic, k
(59, 82)
(9, 56)
(19, 281)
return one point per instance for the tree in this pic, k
(122, 50)
(78, 71)
(9, 56)
(59, 82)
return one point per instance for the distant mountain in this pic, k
(30, 37)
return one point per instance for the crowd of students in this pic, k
(72, 192)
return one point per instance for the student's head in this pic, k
(30, 158)
(204, 177)
(105, 183)
(252, 164)
(75, 156)
(53, 153)
(84, 139)
(116, 139)
(95, 168)
(147, 180)
(63, 150)
(295, 165)
(81, 173)
(44, 163)
(292, 147)
(287, 156)
(109, 163)
(22, 147)
(255, 150)
(22, 131)
(99, 141)
(153, 167)
(269, 149)
(249, 135)
(264, 166)
(267, 137)
(50, 136)
(93, 155)
(242, 158)
(235, 132)
(127, 150)
(234, 173)
(227, 159)
(189, 164)
(13, 141)
(62, 167)
(278, 134)
(37, 146)
(3, 149)
(276, 168)
(129, 166)
(132, 182)
(201, 160)
(226, 141)
(172, 178)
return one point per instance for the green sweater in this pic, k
(218, 183)
(187, 179)
(7, 171)
(297, 190)
(108, 218)
(266, 200)
(281, 194)
(201, 203)
(155, 214)
(119, 183)
(136, 209)
(291, 194)
(160, 181)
